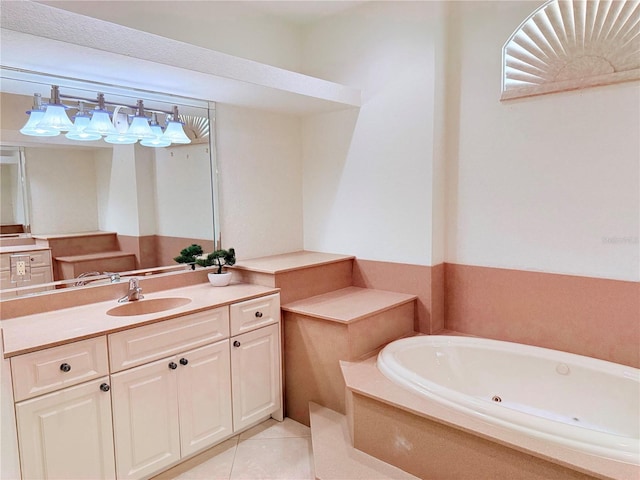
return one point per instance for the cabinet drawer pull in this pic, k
(172, 365)
(65, 367)
(105, 387)
(236, 343)
(258, 314)
(183, 361)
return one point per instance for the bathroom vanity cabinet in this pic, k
(132, 403)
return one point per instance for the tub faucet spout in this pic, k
(134, 293)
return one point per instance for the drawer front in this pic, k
(5, 261)
(145, 344)
(256, 313)
(40, 258)
(58, 367)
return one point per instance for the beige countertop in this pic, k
(289, 261)
(348, 304)
(42, 330)
(23, 248)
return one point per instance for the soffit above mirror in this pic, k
(67, 44)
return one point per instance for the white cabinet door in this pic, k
(145, 418)
(67, 434)
(255, 375)
(204, 396)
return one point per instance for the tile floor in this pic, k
(271, 450)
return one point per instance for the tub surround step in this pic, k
(77, 253)
(74, 265)
(334, 456)
(299, 274)
(346, 324)
(82, 243)
(349, 304)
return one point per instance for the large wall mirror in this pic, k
(100, 208)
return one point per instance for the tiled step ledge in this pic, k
(334, 456)
(348, 305)
(299, 275)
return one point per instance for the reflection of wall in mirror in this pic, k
(62, 185)
(183, 199)
(8, 193)
(158, 200)
(11, 201)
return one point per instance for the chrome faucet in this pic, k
(134, 293)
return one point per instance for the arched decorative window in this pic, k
(571, 44)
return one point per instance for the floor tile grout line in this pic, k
(235, 452)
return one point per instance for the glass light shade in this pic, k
(158, 141)
(101, 124)
(55, 117)
(78, 131)
(32, 127)
(120, 139)
(175, 134)
(140, 129)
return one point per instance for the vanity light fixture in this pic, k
(81, 121)
(174, 131)
(50, 119)
(100, 120)
(139, 128)
(158, 140)
(36, 113)
(55, 117)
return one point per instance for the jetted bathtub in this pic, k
(579, 402)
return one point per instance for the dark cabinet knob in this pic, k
(258, 314)
(183, 361)
(65, 367)
(236, 343)
(173, 365)
(105, 387)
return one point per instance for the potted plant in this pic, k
(218, 259)
(189, 255)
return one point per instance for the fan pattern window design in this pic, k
(571, 44)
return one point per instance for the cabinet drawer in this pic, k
(256, 313)
(40, 258)
(145, 344)
(54, 368)
(5, 261)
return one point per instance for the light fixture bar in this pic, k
(51, 118)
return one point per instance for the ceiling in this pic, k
(304, 12)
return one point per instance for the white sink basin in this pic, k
(143, 307)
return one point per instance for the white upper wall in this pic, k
(548, 183)
(260, 178)
(368, 173)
